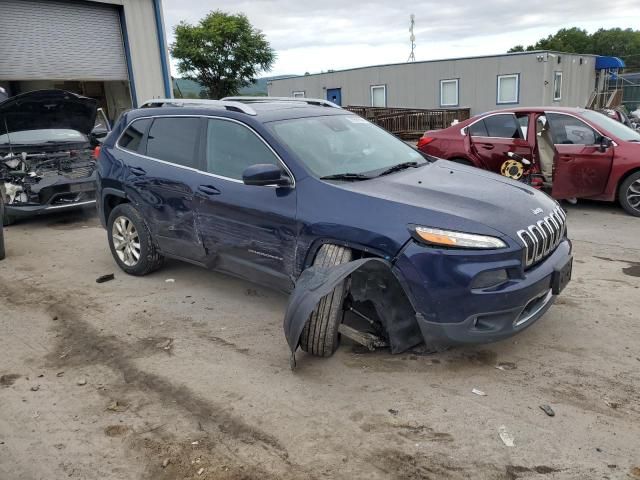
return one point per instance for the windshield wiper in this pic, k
(346, 176)
(398, 167)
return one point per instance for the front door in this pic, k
(335, 95)
(249, 231)
(580, 168)
(492, 137)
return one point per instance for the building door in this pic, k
(335, 95)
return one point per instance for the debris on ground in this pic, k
(105, 278)
(479, 392)
(506, 366)
(166, 462)
(201, 471)
(195, 443)
(393, 411)
(611, 404)
(170, 280)
(506, 437)
(548, 410)
(35, 388)
(81, 382)
(59, 374)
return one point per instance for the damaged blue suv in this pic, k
(377, 241)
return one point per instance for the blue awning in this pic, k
(605, 63)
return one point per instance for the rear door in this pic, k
(580, 168)
(248, 231)
(492, 137)
(163, 178)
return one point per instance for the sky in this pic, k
(337, 34)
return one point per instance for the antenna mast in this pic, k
(412, 37)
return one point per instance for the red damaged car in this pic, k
(572, 152)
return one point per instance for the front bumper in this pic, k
(64, 194)
(450, 312)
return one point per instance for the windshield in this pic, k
(612, 126)
(338, 144)
(44, 136)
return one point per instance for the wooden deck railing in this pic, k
(410, 123)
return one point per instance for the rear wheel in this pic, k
(629, 194)
(320, 335)
(130, 241)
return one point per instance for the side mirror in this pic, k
(263, 174)
(605, 143)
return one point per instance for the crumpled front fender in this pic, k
(316, 282)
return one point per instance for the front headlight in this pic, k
(449, 238)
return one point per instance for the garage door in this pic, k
(60, 40)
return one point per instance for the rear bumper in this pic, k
(450, 312)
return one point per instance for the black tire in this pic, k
(149, 258)
(2, 252)
(320, 335)
(8, 220)
(630, 187)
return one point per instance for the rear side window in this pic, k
(503, 126)
(175, 140)
(569, 130)
(478, 129)
(131, 139)
(232, 147)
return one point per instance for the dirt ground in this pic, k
(140, 378)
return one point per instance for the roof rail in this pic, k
(196, 102)
(309, 101)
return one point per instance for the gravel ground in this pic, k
(140, 378)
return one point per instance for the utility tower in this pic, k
(412, 37)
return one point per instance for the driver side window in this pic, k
(232, 147)
(568, 130)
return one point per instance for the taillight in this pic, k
(425, 141)
(96, 152)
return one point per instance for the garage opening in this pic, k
(70, 45)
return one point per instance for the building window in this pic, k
(449, 93)
(508, 88)
(557, 85)
(378, 95)
(298, 94)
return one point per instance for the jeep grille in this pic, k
(542, 238)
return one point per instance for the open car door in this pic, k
(492, 137)
(583, 158)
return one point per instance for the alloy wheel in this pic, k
(633, 195)
(126, 241)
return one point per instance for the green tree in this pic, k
(223, 53)
(617, 42)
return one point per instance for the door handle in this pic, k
(137, 171)
(488, 146)
(208, 190)
(566, 158)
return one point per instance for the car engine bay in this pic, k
(32, 178)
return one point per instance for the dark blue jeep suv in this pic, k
(266, 188)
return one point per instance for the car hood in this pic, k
(457, 191)
(44, 109)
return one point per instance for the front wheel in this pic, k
(130, 241)
(320, 335)
(629, 194)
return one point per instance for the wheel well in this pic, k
(111, 202)
(623, 178)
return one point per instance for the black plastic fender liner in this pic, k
(314, 283)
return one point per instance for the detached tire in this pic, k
(131, 243)
(629, 194)
(320, 335)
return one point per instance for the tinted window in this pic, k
(231, 148)
(131, 139)
(569, 130)
(478, 129)
(174, 140)
(616, 128)
(503, 126)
